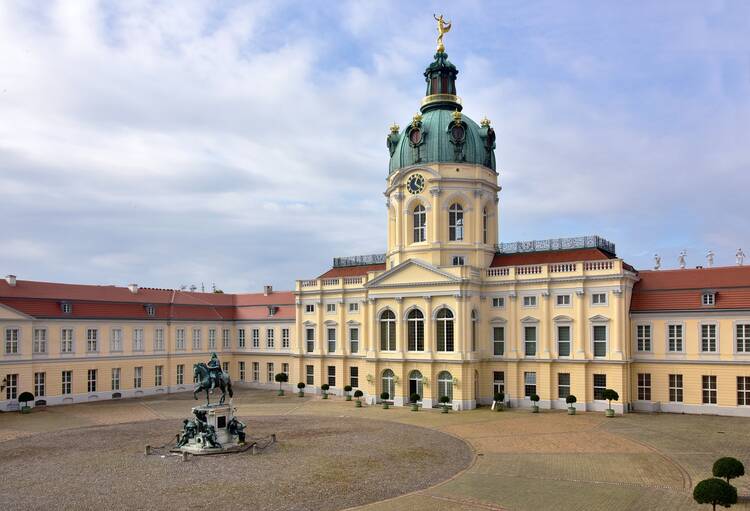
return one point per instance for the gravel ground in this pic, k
(319, 463)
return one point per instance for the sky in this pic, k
(243, 143)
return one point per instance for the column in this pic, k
(511, 339)
(545, 330)
(372, 342)
(617, 332)
(460, 326)
(434, 234)
(399, 223)
(343, 334)
(581, 323)
(429, 324)
(400, 330)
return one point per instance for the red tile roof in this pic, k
(42, 300)
(672, 290)
(552, 256)
(352, 271)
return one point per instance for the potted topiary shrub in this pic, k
(728, 468)
(384, 398)
(358, 395)
(347, 391)
(301, 387)
(715, 491)
(325, 388)
(534, 399)
(571, 400)
(499, 401)
(281, 378)
(24, 398)
(414, 398)
(610, 395)
(444, 400)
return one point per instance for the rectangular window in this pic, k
(310, 339)
(563, 385)
(269, 338)
(310, 375)
(241, 338)
(211, 338)
(242, 370)
(529, 383)
(67, 382)
(563, 300)
(419, 218)
(743, 338)
(563, 341)
(116, 378)
(675, 388)
(137, 339)
(330, 308)
(600, 383)
(674, 338)
(458, 260)
(354, 340)
(66, 340)
(225, 367)
(138, 377)
(158, 376)
(309, 308)
(40, 387)
(284, 338)
(269, 372)
(354, 307)
(709, 390)
(180, 374)
(180, 341)
(256, 338)
(226, 338)
(529, 301)
(498, 382)
(498, 302)
(708, 338)
(600, 341)
(354, 376)
(11, 386)
(708, 299)
(150, 310)
(331, 376)
(92, 380)
(599, 299)
(498, 341)
(529, 338)
(92, 340)
(643, 337)
(196, 338)
(256, 371)
(66, 307)
(644, 386)
(285, 368)
(743, 390)
(455, 223)
(158, 339)
(40, 340)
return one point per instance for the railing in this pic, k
(562, 267)
(556, 244)
(342, 262)
(330, 282)
(498, 272)
(532, 269)
(539, 269)
(352, 280)
(308, 283)
(599, 265)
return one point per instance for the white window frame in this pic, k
(66, 307)
(285, 338)
(330, 308)
(644, 343)
(419, 224)
(715, 324)
(458, 260)
(158, 339)
(115, 340)
(180, 339)
(530, 302)
(241, 338)
(498, 302)
(569, 326)
(180, 374)
(40, 384)
(197, 339)
(66, 341)
(138, 377)
(674, 389)
(270, 372)
(595, 301)
(255, 336)
(708, 299)
(561, 385)
(353, 307)
(309, 340)
(495, 342)
(92, 340)
(745, 324)
(40, 341)
(353, 343)
(270, 338)
(643, 385)
(158, 376)
(211, 339)
(456, 222)
(138, 343)
(668, 338)
(331, 335)
(256, 371)
(12, 340)
(524, 327)
(91, 380)
(710, 389)
(66, 382)
(564, 297)
(309, 308)
(592, 330)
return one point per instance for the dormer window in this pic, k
(66, 307)
(150, 309)
(272, 310)
(709, 298)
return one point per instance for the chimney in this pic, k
(11, 280)
(267, 289)
(133, 288)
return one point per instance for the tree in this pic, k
(715, 491)
(534, 399)
(384, 398)
(499, 398)
(348, 389)
(301, 386)
(571, 399)
(24, 398)
(444, 400)
(281, 378)
(728, 468)
(610, 395)
(325, 388)
(358, 394)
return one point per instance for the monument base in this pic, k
(213, 430)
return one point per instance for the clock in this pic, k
(415, 184)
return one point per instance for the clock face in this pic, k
(415, 184)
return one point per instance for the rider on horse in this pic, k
(214, 370)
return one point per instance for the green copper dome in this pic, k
(441, 133)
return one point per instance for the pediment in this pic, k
(498, 320)
(598, 319)
(413, 271)
(530, 319)
(562, 319)
(12, 314)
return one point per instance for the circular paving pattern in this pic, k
(318, 463)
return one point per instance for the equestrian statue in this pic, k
(209, 376)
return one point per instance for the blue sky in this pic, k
(242, 143)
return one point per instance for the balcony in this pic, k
(552, 270)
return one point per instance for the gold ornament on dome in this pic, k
(443, 28)
(485, 122)
(456, 116)
(417, 119)
(394, 128)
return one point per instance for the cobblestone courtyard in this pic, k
(521, 461)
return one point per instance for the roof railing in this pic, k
(519, 247)
(360, 260)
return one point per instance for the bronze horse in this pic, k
(203, 382)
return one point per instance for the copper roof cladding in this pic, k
(681, 290)
(42, 300)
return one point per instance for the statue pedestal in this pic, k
(212, 418)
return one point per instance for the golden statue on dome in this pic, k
(443, 28)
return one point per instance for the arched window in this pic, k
(484, 225)
(445, 385)
(388, 331)
(415, 383)
(420, 224)
(445, 330)
(415, 330)
(474, 327)
(455, 223)
(389, 385)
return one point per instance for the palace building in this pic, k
(447, 310)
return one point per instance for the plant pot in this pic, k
(414, 407)
(325, 395)
(534, 409)
(300, 394)
(444, 410)
(25, 409)
(610, 412)
(281, 392)
(499, 408)
(385, 406)
(358, 404)
(571, 410)
(348, 398)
